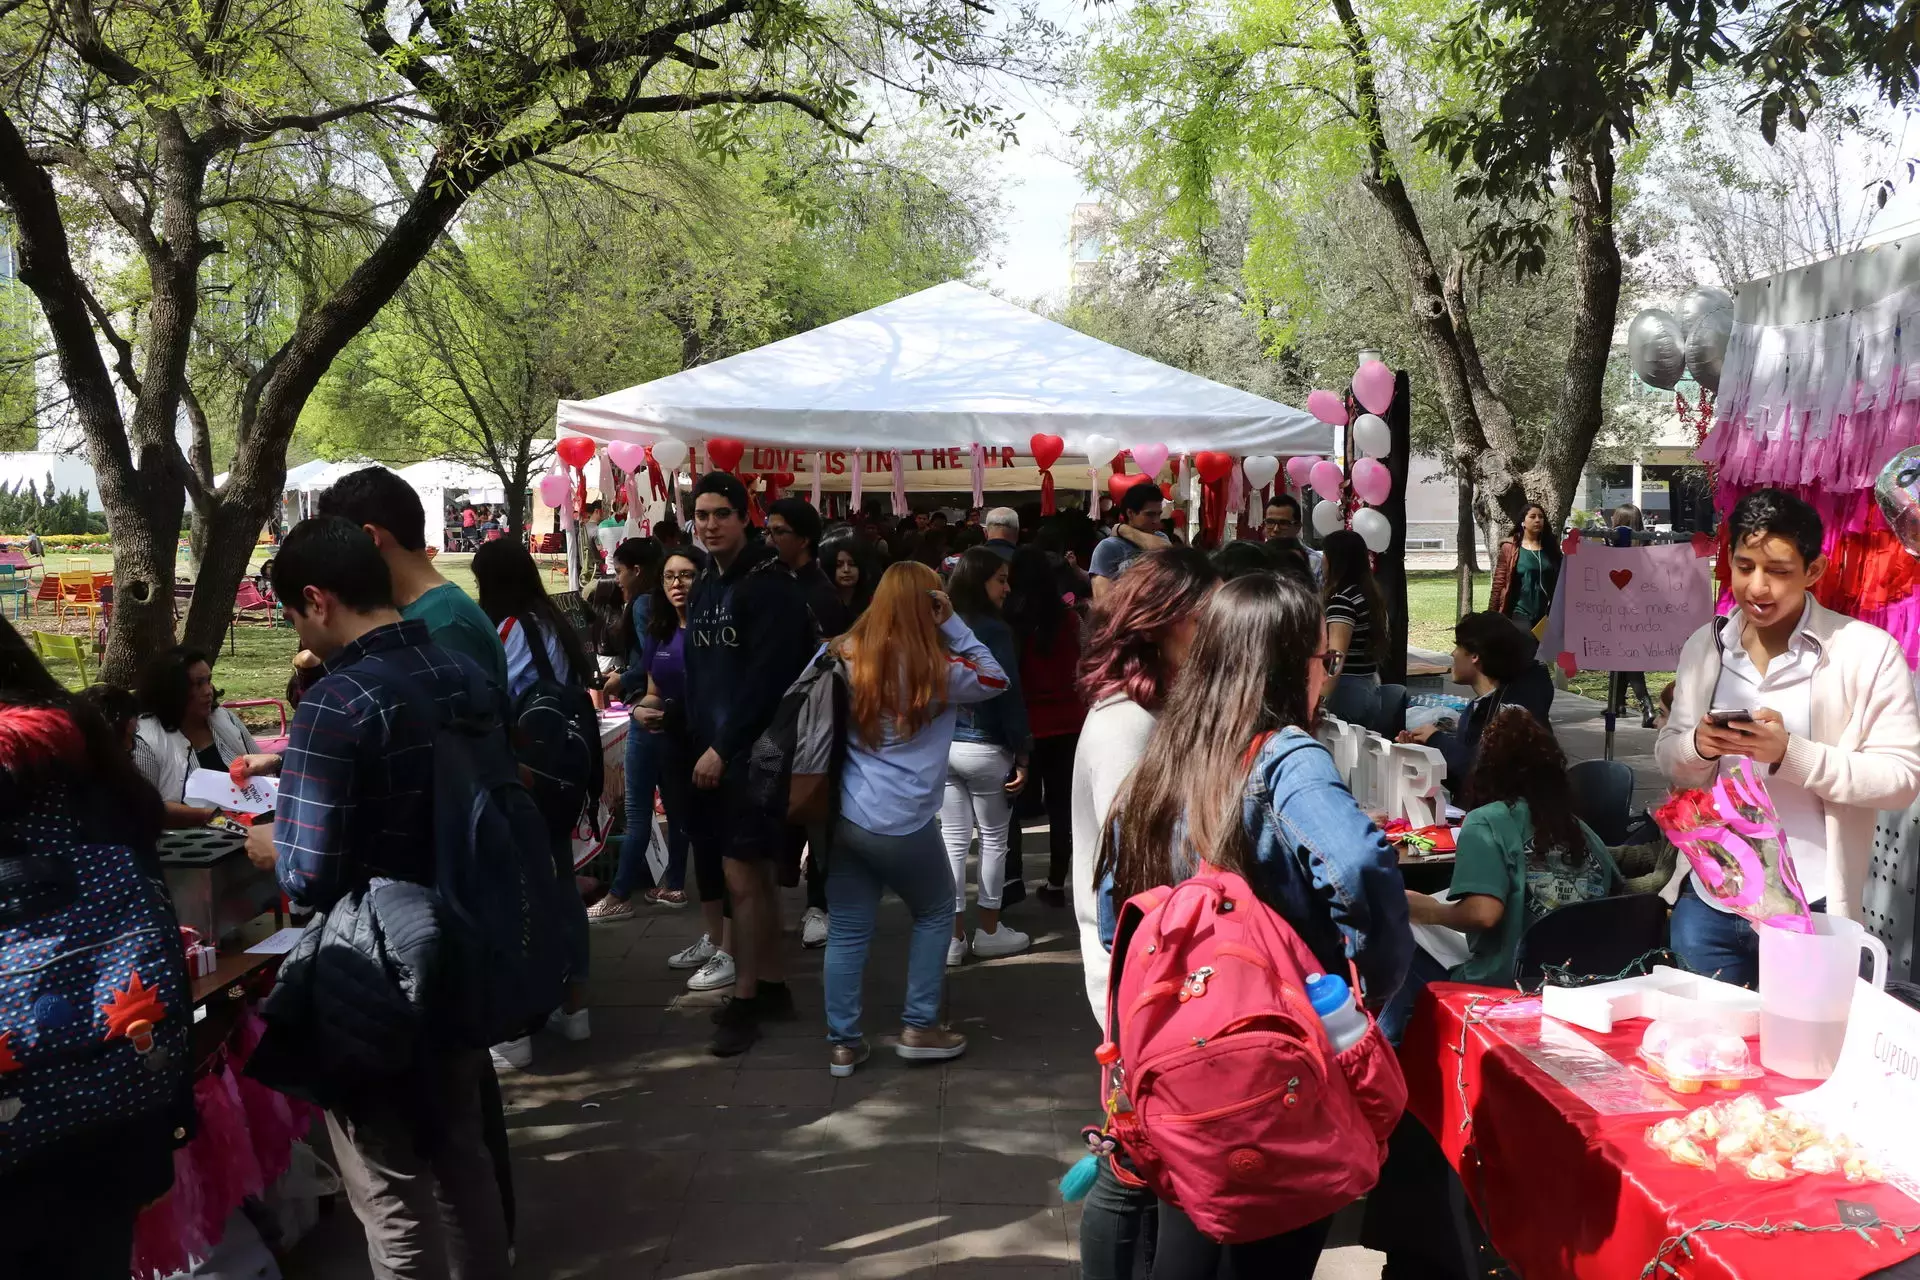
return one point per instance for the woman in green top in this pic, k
(1526, 571)
(1520, 854)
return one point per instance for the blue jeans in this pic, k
(861, 866)
(1399, 1010)
(646, 754)
(1714, 942)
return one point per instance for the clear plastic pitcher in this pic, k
(1806, 988)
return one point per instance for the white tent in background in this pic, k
(438, 479)
(942, 369)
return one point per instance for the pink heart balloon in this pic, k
(1327, 407)
(627, 455)
(552, 489)
(1150, 458)
(1372, 481)
(1300, 469)
(1327, 479)
(1373, 386)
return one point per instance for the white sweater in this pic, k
(1111, 743)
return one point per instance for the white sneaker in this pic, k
(714, 974)
(956, 952)
(1004, 941)
(517, 1054)
(570, 1026)
(694, 956)
(813, 928)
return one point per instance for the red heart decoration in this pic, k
(1046, 449)
(1621, 577)
(575, 451)
(725, 453)
(1213, 467)
(1704, 545)
(1571, 543)
(1119, 484)
(1567, 663)
(779, 479)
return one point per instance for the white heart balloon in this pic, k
(1374, 528)
(1100, 450)
(1371, 434)
(1261, 470)
(670, 453)
(1326, 518)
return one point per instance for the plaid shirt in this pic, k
(356, 783)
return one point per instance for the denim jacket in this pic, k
(1321, 863)
(1001, 722)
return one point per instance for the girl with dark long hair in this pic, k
(911, 663)
(1521, 853)
(542, 645)
(849, 565)
(1233, 778)
(1357, 627)
(987, 763)
(1527, 569)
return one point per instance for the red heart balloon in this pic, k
(780, 479)
(1212, 466)
(1046, 449)
(1119, 484)
(575, 451)
(725, 453)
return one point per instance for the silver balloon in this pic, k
(1656, 348)
(1898, 492)
(1706, 318)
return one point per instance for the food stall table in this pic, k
(1565, 1191)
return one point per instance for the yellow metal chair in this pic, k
(78, 592)
(51, 645)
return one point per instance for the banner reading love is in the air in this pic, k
(1627, 608)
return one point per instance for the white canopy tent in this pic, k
(942, 369)
(439, 478)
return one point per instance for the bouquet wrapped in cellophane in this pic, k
(1731, 836)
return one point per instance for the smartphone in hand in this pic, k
(1723, 719)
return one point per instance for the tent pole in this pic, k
(572, 528)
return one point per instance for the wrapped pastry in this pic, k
(1667, 1132)
(1688, 1152)
(1766, 1167)
(1740, 1142)
(1817, 1158)
(1703, 1123)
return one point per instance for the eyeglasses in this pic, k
(687, 575)
(1331, 661)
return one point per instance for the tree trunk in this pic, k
(232, 534)
(1467, 561)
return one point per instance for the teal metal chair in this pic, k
(14, 583)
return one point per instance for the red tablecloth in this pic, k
(1566, 1192)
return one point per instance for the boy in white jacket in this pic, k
(1833, 724)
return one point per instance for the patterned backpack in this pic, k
(95, 1007)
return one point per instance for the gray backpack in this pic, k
(793, 770)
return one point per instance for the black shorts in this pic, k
(722, 821)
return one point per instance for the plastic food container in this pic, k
(1689, 1057)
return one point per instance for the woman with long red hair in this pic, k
(910, 664)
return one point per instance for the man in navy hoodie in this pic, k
(749, 636)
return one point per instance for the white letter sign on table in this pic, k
(1627, 608)
(1873, 1095)
(1403, 779)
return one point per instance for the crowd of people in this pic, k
(1156, 702)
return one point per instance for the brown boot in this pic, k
(930, 1044)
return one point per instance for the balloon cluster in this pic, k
(1373, 385)
(1662, 346)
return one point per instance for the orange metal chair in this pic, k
(77, 592)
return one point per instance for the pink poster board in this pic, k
(1628, 608)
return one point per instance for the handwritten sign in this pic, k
(1873, 1095)
(1628, 608)
(214, 787)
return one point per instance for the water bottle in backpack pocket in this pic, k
(1240, 1106)
(95, 1007)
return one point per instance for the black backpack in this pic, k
(556, 735)
(504, 950)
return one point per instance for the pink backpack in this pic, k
(1223, 1087)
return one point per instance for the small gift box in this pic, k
(201, 958)
(1731, 836)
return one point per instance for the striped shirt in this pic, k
(356, 782)
(1349, 605)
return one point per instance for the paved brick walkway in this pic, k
(636, 1155)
